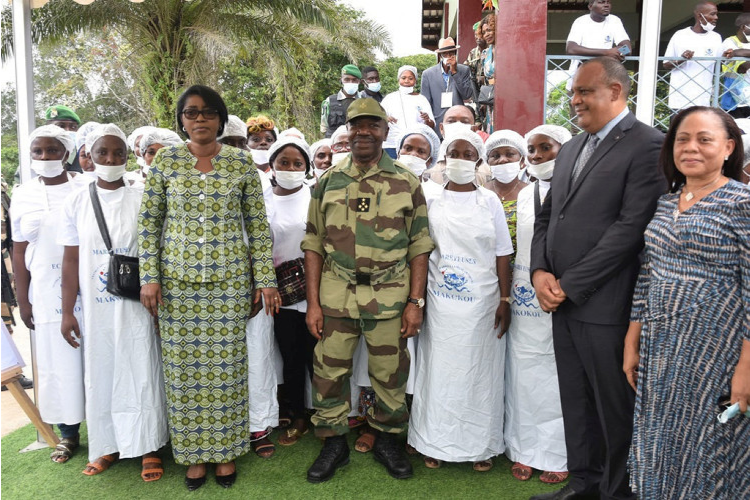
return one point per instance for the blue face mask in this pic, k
(373, 87)
(350, 88)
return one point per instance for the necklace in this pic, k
(691, 194)
(509, 190)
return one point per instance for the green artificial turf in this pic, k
(33, 475)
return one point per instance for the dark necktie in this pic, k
(585, 155)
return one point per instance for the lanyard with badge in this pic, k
(446, 98)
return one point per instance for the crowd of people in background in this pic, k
(580, 304)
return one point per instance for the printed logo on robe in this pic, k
(57, 285)
(709, 52)
(608, 39)
(455, 279)
(99, 277)
(524, 294)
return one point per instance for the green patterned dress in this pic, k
(510, 207)
(191, 242)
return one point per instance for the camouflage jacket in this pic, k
(367, 225)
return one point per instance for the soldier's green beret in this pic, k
(365, 107)
(61, 112)
(351, 69)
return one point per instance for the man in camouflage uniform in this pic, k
(366, 252)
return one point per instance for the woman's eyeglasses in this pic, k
(339, 147)
(208, 113)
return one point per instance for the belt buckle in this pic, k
(362, 278)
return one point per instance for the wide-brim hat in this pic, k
(447, 45)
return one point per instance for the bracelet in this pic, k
(505, 299)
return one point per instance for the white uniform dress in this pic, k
(457, 414)
(125, 403)
(35, 217)
(534, 433)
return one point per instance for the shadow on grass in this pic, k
(33, 475)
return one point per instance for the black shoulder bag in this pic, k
(123, 279)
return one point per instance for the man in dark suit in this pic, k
(447, 83)
(584, 263)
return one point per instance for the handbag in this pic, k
(290, 279)
(487, 95)
(123, 279)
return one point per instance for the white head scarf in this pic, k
(425, 132)
(339, 132)
(315, 146)
(234, 127)
(556, 132)
(294, 132)
(101, 131)
(162, 136)
(286, 141)
(58, 133)
(83, 131)
(469, 136)
(506, 138)
(134, 135)
(407, 67)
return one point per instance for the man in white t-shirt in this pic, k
(691, 82)
(739, 44)
(597, 34)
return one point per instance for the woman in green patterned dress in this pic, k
(506, 150)
(199, 278)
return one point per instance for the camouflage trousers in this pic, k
(388, 362)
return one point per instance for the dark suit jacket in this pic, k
(433, 86)
(589, 233)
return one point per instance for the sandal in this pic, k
(64, 449)
(432, 463)
(262, 446)
(551, 477)
(291, 435)
(365, 441)
(521, 472)
(483, 465)
(151, 468)
(410, 450)
(100, 464)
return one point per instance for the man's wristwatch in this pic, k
(417, 302)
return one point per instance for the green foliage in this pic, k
(389, 70)
(558, 108)
(9, 157)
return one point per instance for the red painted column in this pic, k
(469, 12)
(520, 47)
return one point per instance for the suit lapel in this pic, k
(614, 136)
(566, 172)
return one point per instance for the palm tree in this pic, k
(179, 42)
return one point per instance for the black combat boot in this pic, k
(388, 452)
(335, 454)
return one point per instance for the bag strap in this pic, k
(100, 217)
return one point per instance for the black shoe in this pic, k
(387, 451)
(193, 483)
(226, 481)
(566, 493)
(335, 454)
(26, 383)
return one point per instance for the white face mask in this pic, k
(406, 90)
(337, 157)
(460, 171)
(506, 173)
(141, 161)
(415, 164)
(91, 174)
(350, 88)
(260, 156)
(451, 128)
(47, 168)
(543, 171)
(110, 173)
(290, 180)
(708, 26)
(319, 172)
(373, 87)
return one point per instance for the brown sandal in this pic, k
(151, 468)
(483, 465)
(291, 435)
(65, 449)
(521, 472)
(100, 464)
(365, 441)
(551, 477)
(432, 463)
(262, 446)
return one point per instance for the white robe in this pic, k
(534, 433)
(125, 401)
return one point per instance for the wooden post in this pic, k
(10, 379)
(520, 50)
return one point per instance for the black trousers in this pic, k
(597, 405)
(296, 346)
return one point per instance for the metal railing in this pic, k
(693, 91)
